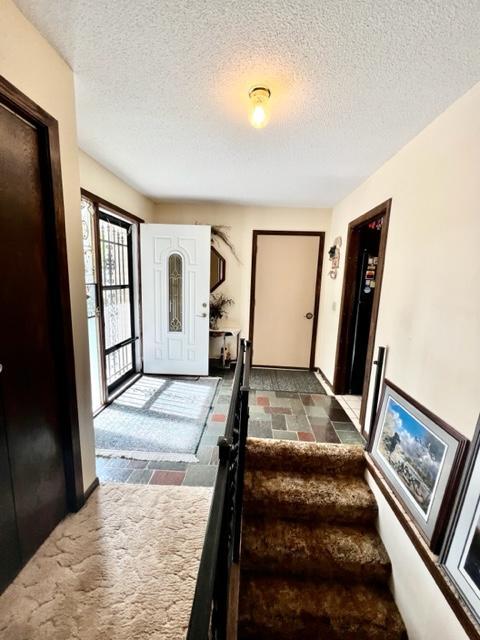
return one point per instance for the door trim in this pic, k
(108, 205)
(348, 296)
(50, 164)
(318, 284)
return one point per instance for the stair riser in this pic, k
(323, 467)
(323, 570)
(313, 630)
(354, 515)
(307, 457)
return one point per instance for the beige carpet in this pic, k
(122, 568)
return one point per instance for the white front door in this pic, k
(175, 298)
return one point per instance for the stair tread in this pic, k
(315, 549)
(272, 607)
(299, 495)
(285, 455)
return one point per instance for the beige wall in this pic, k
(33, 66)
(429, 314)
(98, 180)
(242, 221)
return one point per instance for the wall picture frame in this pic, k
(461, 553)
(421, 459)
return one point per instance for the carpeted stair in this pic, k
(312, 566)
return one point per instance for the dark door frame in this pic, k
(345, 325)
(47, 128)
(102, 207)
(318, 283)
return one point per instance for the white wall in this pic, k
(34, 67)
(429, 314)
(103, 183)
(242, 220)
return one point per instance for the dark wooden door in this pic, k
(10, 561)
(29, 383)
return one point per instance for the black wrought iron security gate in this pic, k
(116, 298)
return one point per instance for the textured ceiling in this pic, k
(162, 88)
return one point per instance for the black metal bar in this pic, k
(208, 619)
(119, 345)
(242, 439)
(113, 287)
(376, 389)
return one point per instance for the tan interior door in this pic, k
(286, 273)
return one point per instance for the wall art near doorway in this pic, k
(461, 556)
(420, 458)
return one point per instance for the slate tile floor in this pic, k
(273, 414)
(300, 416)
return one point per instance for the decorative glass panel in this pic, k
(175, 289)
(88, 213)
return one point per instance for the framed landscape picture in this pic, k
(421, 459)
(461, 557)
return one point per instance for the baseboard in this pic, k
(329, 384)
(91, 489)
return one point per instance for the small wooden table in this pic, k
(224, 333)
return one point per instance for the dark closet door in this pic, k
(10, 561)
(29, 386)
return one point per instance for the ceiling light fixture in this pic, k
(259, 107)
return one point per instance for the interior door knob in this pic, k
(309, 315)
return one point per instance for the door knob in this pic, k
(201, 315)
(309, 315)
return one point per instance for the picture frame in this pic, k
(461, 552)
(421, 458)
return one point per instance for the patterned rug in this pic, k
(285, 380)
(156, 419)
(123, 568)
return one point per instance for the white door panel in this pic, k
(175, 298)
(286, 273)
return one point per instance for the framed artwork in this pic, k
(420, 458)
(461, 556)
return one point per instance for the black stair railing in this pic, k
(208, 619)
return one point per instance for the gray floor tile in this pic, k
(297, 407)
(259, 429)
(281, 402)
(140, 476)
(115, 475)
(200, 475)
(215, 429)
(208, 440)
(279, 422)
(315, 411)
(204, 454)
(325, 433)
(350, 438)
(165, 465)
(256, 410)
(344, 426)
(284, 435)
(298, 423)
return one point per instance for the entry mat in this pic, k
(156, 419)
(285, 380)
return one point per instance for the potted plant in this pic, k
(218, 308)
